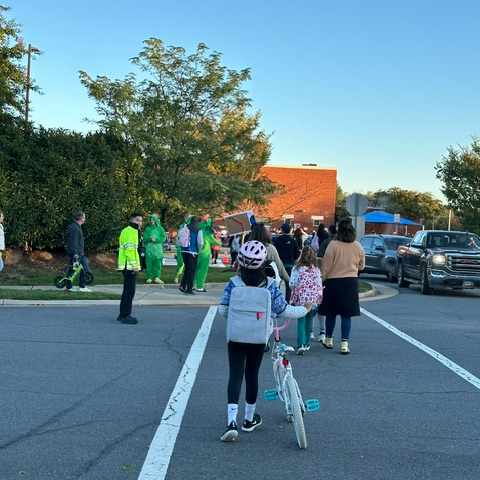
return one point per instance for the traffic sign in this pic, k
(356, 204)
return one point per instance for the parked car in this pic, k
(381, 254)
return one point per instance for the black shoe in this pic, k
(129, 320)
(231, 433)
(251, 426)
(191, 292)
(182, 289)
(120, 318)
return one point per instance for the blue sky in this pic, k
(378, 89)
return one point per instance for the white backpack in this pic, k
(183, 237)
(249, 317)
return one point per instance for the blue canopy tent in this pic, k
(385, 217)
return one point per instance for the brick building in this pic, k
(308, 197)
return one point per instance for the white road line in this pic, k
(160, 451)
(461, 372)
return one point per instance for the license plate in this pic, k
(468, 284)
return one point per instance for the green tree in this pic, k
(13, 75)
(341, 204)
(459, 172)
(409, 204)
(49, 174)
(190, 137)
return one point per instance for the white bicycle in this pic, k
(287, 390)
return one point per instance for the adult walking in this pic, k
(154, 237)
(288, 252)
(190, 256)
(260, 233)
(332, 233)
(319, 236)
(129, 265)
(76, 251)
(343, 259)
(2, 241)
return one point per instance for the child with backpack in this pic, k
(248, 301)
(306, 284)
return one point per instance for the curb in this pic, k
(167, 295)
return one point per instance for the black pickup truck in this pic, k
(440, 259)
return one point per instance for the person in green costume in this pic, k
(205, 255)
(154, 236)
(180, 264)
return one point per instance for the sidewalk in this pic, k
(168, 294)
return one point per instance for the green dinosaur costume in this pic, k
(154, 236)
(205, 254)
(180, 264)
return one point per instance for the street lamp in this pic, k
(29, 56)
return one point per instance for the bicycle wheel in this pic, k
(88, 277)
(60, 281)
(291, 392)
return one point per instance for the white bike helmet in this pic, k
(252, 255)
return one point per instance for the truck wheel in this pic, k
(391, 273)
(425, 287)
(401, 277)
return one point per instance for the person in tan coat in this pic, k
(343, 259)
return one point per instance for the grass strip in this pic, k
(11, 294)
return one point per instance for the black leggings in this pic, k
(244, 358)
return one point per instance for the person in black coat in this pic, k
(288, 252)
(76, 250)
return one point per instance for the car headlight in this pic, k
(439, 259)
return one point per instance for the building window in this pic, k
(316, 219)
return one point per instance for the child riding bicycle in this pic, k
(246, 341)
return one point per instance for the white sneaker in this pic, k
(176, 280)
(84, 289)
(312, 336)
(301, 350)
(157, 280)
(321, 337)
(306, 347)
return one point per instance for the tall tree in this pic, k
(341, 204)
(459, 172)
(186, 120)
(13, 75)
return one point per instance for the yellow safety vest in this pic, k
(128, 258)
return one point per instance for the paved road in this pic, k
(82, 395)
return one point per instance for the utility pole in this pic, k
(29, 59)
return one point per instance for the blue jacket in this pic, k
(196, 239)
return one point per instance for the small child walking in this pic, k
(244, 355)
(306, 285)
